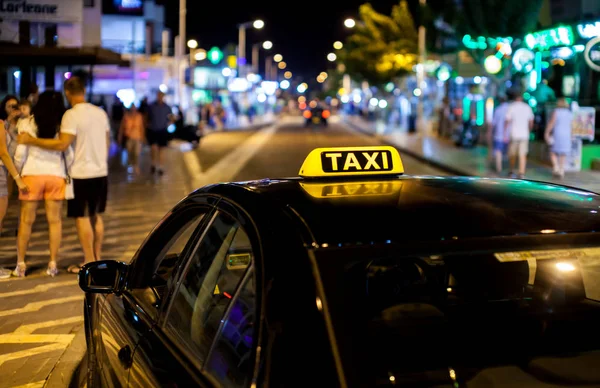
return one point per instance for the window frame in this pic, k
(138, 262)
(247, 223)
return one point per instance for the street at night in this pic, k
(332, 194)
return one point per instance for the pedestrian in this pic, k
(9, 115)
(558, 136)
(45, 173)
(160, 116)
(87, 127)
(132, 130)
(219, 116)
(498, 133)
(519, 117)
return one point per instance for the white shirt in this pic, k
(89, 124)
(35, 161)
(519, 114)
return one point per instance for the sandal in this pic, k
(52, 269)
(74, 269)
(20, 270)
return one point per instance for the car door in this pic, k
(187, 347)
(126, 318)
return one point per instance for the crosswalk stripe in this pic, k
(39, 288)
(30, 328)
(36, 306)
(37, 384)
(31, 352)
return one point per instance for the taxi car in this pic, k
(354, 274)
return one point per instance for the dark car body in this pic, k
(316, 116)
(317, 259)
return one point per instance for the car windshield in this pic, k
(485, 319)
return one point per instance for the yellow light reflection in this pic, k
(565, 267)
(319, 304)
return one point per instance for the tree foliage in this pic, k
(381, 47)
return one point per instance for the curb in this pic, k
(409, 152)
(68, 364)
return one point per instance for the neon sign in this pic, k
(592, 53)
(543, 40)
(483, 43)
(589, 30)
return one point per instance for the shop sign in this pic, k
(70, 11)
(543, 40)
(237, 85)
(592, 53)
(209, 78)
(589, 30)
(584, 123)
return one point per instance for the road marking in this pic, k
(37, 384)
(31, 352)
(30, 328)
(36, 306)
(39, 288)
(231, 164)
(36, 338)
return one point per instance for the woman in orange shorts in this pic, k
(45, 173)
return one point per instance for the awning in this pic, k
(16, 55)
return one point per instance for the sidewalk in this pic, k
(41, 341)
(443, 154)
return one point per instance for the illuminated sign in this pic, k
(209, 78)
(592, 53)
(589, 30)
(129, 7)
(523, 60)
(543, 40)
(42, 10)
(215, 55)
(269, 87)
(238, 85)
(483, 43)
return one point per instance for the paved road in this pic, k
(39, 315)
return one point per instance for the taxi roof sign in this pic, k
(352, 161)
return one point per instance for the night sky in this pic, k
(302, 31)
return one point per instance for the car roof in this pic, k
(415, 208)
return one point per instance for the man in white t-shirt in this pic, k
(87, 128)
(519, 118)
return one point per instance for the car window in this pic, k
(230, 362)
(215, 270)
(152, 291)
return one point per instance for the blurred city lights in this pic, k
(335, 102)
(301, 99)
(258, 24)
(67, 75)
(268, 45)
(345, 99)
(285, 84)
(320, 79)
(252, 77)
(460, 80)
(302, 88)
(357, 98)
(338, 45)
(200, 55)
(226, 72)
(278, 58)
(477, 80)
(417, 92)
(288, 75)
(17, 74)
(331, 57)
(313, 104)
(350, 23)
(492, 64)
(342, 92)
(565, 267)
(282, 65)
(261, 97)
(192, 43)
(163, 88)
(383, 104)
(374, 101)
(324, 75)
(127, 96)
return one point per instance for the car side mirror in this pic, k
(103, 277)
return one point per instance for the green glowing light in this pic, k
(543, 40)
(215, 55)
(466, 109)
(480, 112)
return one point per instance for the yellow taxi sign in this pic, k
(352, 189)
(352, 161)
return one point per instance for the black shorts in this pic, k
(160, 138)
(90, 197)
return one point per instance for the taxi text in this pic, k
(351, 161)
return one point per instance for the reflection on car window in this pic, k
(230, 361)
(152, 291)
(534, 314)
(215, 270)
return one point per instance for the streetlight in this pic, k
(331, 57)
(350, 23)
(192, 43)
(282, 65)
(288, 74)
(278, 58)
(257, 24)
(338, 45)
(324, 75)
(200, 55)
(268, 45)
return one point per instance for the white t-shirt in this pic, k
(89, 124)
(519, 114)
(35, 161)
